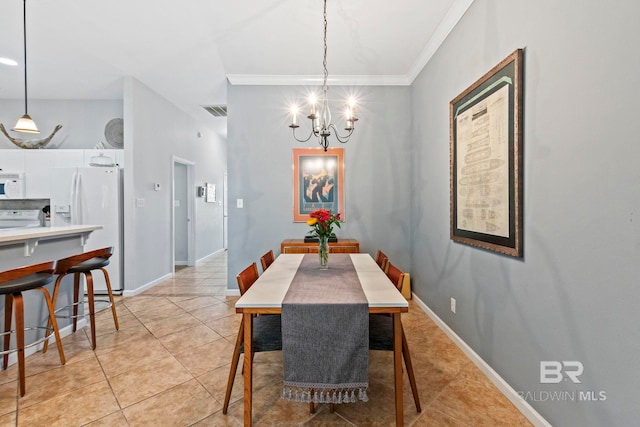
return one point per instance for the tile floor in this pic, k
(169, 363)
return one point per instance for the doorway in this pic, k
(225, 213)
(182, 209)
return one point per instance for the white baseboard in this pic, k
(219, 251)
(67, 330)
(137, 291)
(504, 387)
(233, 292)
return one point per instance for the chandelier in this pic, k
(321, 125)
(25, 123)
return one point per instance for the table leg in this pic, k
(397, 367)
(247, 364)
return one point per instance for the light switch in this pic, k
(139, 203)
(239, 203)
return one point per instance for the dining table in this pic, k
(266, 296)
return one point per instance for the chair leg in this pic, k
(76, 296)
(234, 367)
(56, 289)
(8, 307)
(113, 304)
(19, 311)
(92, 308)
(409, 365)
(54, 323)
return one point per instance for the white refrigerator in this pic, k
(92, 196)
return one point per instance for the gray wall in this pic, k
(82, 121)
(377, 174)
(155, 131)
(575, 294)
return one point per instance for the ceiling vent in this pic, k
(216, 110)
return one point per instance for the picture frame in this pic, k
(486, 156)
(318, 181)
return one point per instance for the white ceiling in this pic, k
(185, 49)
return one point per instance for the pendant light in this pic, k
(25, 123)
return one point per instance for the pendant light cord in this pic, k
(24, 26)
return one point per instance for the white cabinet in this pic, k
(35, 160)
(38, 164)
(12, 160)
(68, 158)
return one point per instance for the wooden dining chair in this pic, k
(267, 259)
(267, 332)
(381, 332)
(381, 259)
(395, 275)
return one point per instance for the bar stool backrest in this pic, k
(63, 265)
(17, 273)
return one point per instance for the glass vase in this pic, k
(323, 251)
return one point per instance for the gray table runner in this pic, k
(325, 333)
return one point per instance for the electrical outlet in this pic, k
(453, 305)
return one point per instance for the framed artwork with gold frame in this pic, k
(318, 181)
(486, 160)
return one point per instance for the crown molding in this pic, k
(447, 24)
(306, 80)
(450, 20)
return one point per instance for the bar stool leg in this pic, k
(54, 324)
(92, 309)
(19, 310)
(113, 304)
(56, 289)
(76, 296)
(8, 306)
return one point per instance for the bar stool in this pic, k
(12, 284)
(79, 264)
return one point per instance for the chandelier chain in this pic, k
(324, 60)
(321, 124)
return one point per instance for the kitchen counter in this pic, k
(31, 236)
(32, 245)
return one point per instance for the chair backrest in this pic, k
(247, 277)
(395, 275)
(63, 265)
(382, 260)
(17, 273)
(266, 260)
